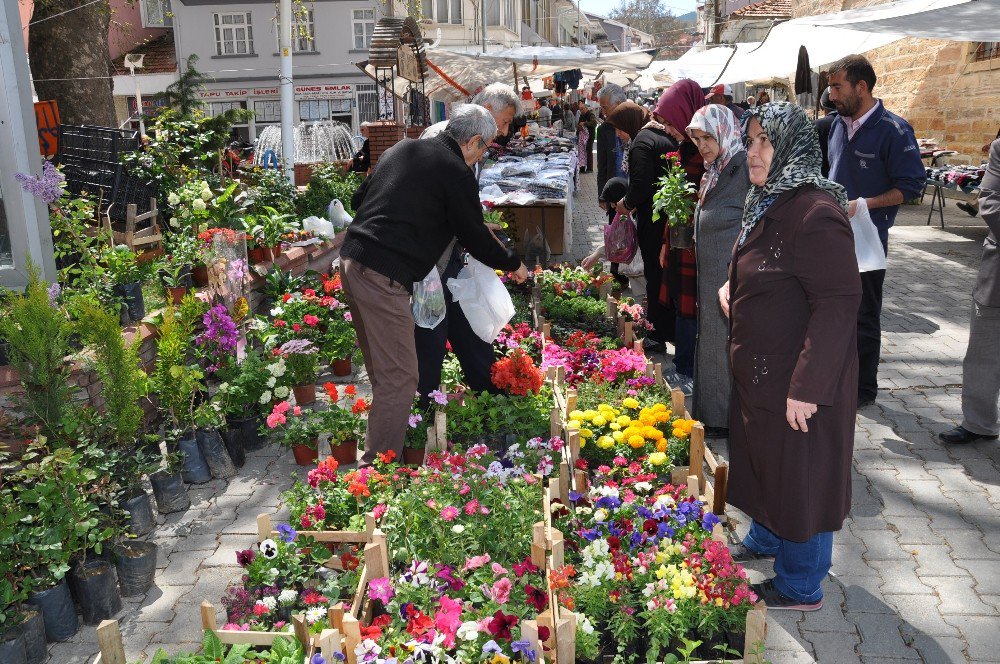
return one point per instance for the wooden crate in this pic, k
(265, 531)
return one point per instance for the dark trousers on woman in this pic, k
(660, 315)
(869, 334)
(475, 355)
(590, 150)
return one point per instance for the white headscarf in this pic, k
(723, 125)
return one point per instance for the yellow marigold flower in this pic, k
(662, 418)
(600, 421)
(589, 414)
(647, 420)
(630, 402)
(605, 442)
(614, 426)
(603, 407)
(576, 414)
(619, 436)
(661, 445)
(657, 459)
(636, 442)
(659, 407)
(586, 433)
(573, 424)
(679, 433)
(624, 420)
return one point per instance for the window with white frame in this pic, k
(364, 27)
(442, 11)
(156, 14)
(220, 107)
(510, 15)
(233, 33)
(303, 32)
(502, 13)
(314, 110)
(492, 11)
(267, 110)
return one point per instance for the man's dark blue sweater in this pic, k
(883, 155)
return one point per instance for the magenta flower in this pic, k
(500, 592)
(449, 513)
(380, 589)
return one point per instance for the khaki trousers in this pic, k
(380, 312)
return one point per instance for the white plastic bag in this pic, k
(427, 304)
(635, 268)
(318, 227)
(867, 245)
(483, 298)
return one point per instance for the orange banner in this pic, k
(47, 119)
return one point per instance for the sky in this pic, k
(604, 7)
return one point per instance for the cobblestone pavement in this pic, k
(916, 570)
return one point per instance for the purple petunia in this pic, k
(287, 533)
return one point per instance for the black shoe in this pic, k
(653, 346)
(960, 436)
(968, 209)
(864, 402)
(775, 599)
(716, 432)
(741, 553)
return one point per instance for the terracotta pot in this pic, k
(342, 367)
(305, 455)
(175, 295)
(255, 255)
(682, 237)
(200, 274)
(413, 456)
(346, 452)
(305, 394)
(275, 251)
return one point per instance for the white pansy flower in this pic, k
(468, 631)
(585, 625)
(645, 487)
(269, 549)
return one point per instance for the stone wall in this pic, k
(933, 84)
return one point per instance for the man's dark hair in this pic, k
(856, 68)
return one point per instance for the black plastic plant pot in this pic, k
(169, 491)
(234, 445)
(248, 430)
(12, 647)
(213, 448)
(4, 359)
(134, 303)
(194, 468)
(136, 567)
(58, 612)
(95, 586)
(33, 635)
(140, 513)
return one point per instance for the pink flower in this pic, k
(310, 320)
(620, 461)
(380, 589)
(347, 316)
(501, 590)
(274, 419)
(297, 411)
(448, 618)
(476, 562)
(498, 569)
(431, 504)
(380, 511)
(464, 490)
(472, 507)
(449, 513)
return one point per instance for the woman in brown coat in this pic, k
(792, 297)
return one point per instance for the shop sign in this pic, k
(219, 95)
(342, 91)
(303, 92)
(149, 104)
(407, 65)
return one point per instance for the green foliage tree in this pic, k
(38, 336)
(650, 16)
(117, 364)
(182, 94)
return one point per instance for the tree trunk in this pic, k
(73, 46)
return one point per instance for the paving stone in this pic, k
(957, 596)
(944, 649)
(882, 545)
(182, 569)
(970, 544)
(915, 530)
(921, 615)
(880, 636)
(225, 555)
(834, 647)
(935, 560)
(72, 653)
(980, 634)
(899, 577)
(862, 595)
(985, 572)
(203, 542)
(160, 603)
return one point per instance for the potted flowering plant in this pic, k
(340, 343)
(674, 200)
(245, 389)
(269, 229)
(517, 374)
(301, 358)
(343, 423)
(126, 277)
(298, 429)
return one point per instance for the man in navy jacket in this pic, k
(874, 155)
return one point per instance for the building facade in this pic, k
(947, 90)
(237, 46)
(621, 37)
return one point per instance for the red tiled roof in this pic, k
(782, 8)
(160, 57)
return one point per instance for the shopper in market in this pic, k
(501, 100)
(874, 155)
(588, 120)
(649, 142)
(792, 297)
(610, 148)
(715, 131)
(981, 368)
(420, 196)
(679, 288)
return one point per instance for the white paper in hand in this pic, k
(867, 245)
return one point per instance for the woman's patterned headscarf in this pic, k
(796, 161)
(723, 125)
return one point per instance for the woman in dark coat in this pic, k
(716, 132)
(679, 288)
(649, 142)
(792, 297)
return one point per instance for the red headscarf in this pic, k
(679, 102)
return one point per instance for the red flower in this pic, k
(517, 374)
(309, 292)
(419, 623)
(350, 390)
(374, 633)
(280, 323)
(536, 597)
(331, 391)
(386, 457)
(296, 327)
(314, 597)
(349, 561)
(525, 567)
(614, 542)
(286, 297)
(360, 406)
(310, 320)
(500, 625)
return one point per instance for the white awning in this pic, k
(955, 20)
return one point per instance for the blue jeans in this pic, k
(799, 567)
(686, 331)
